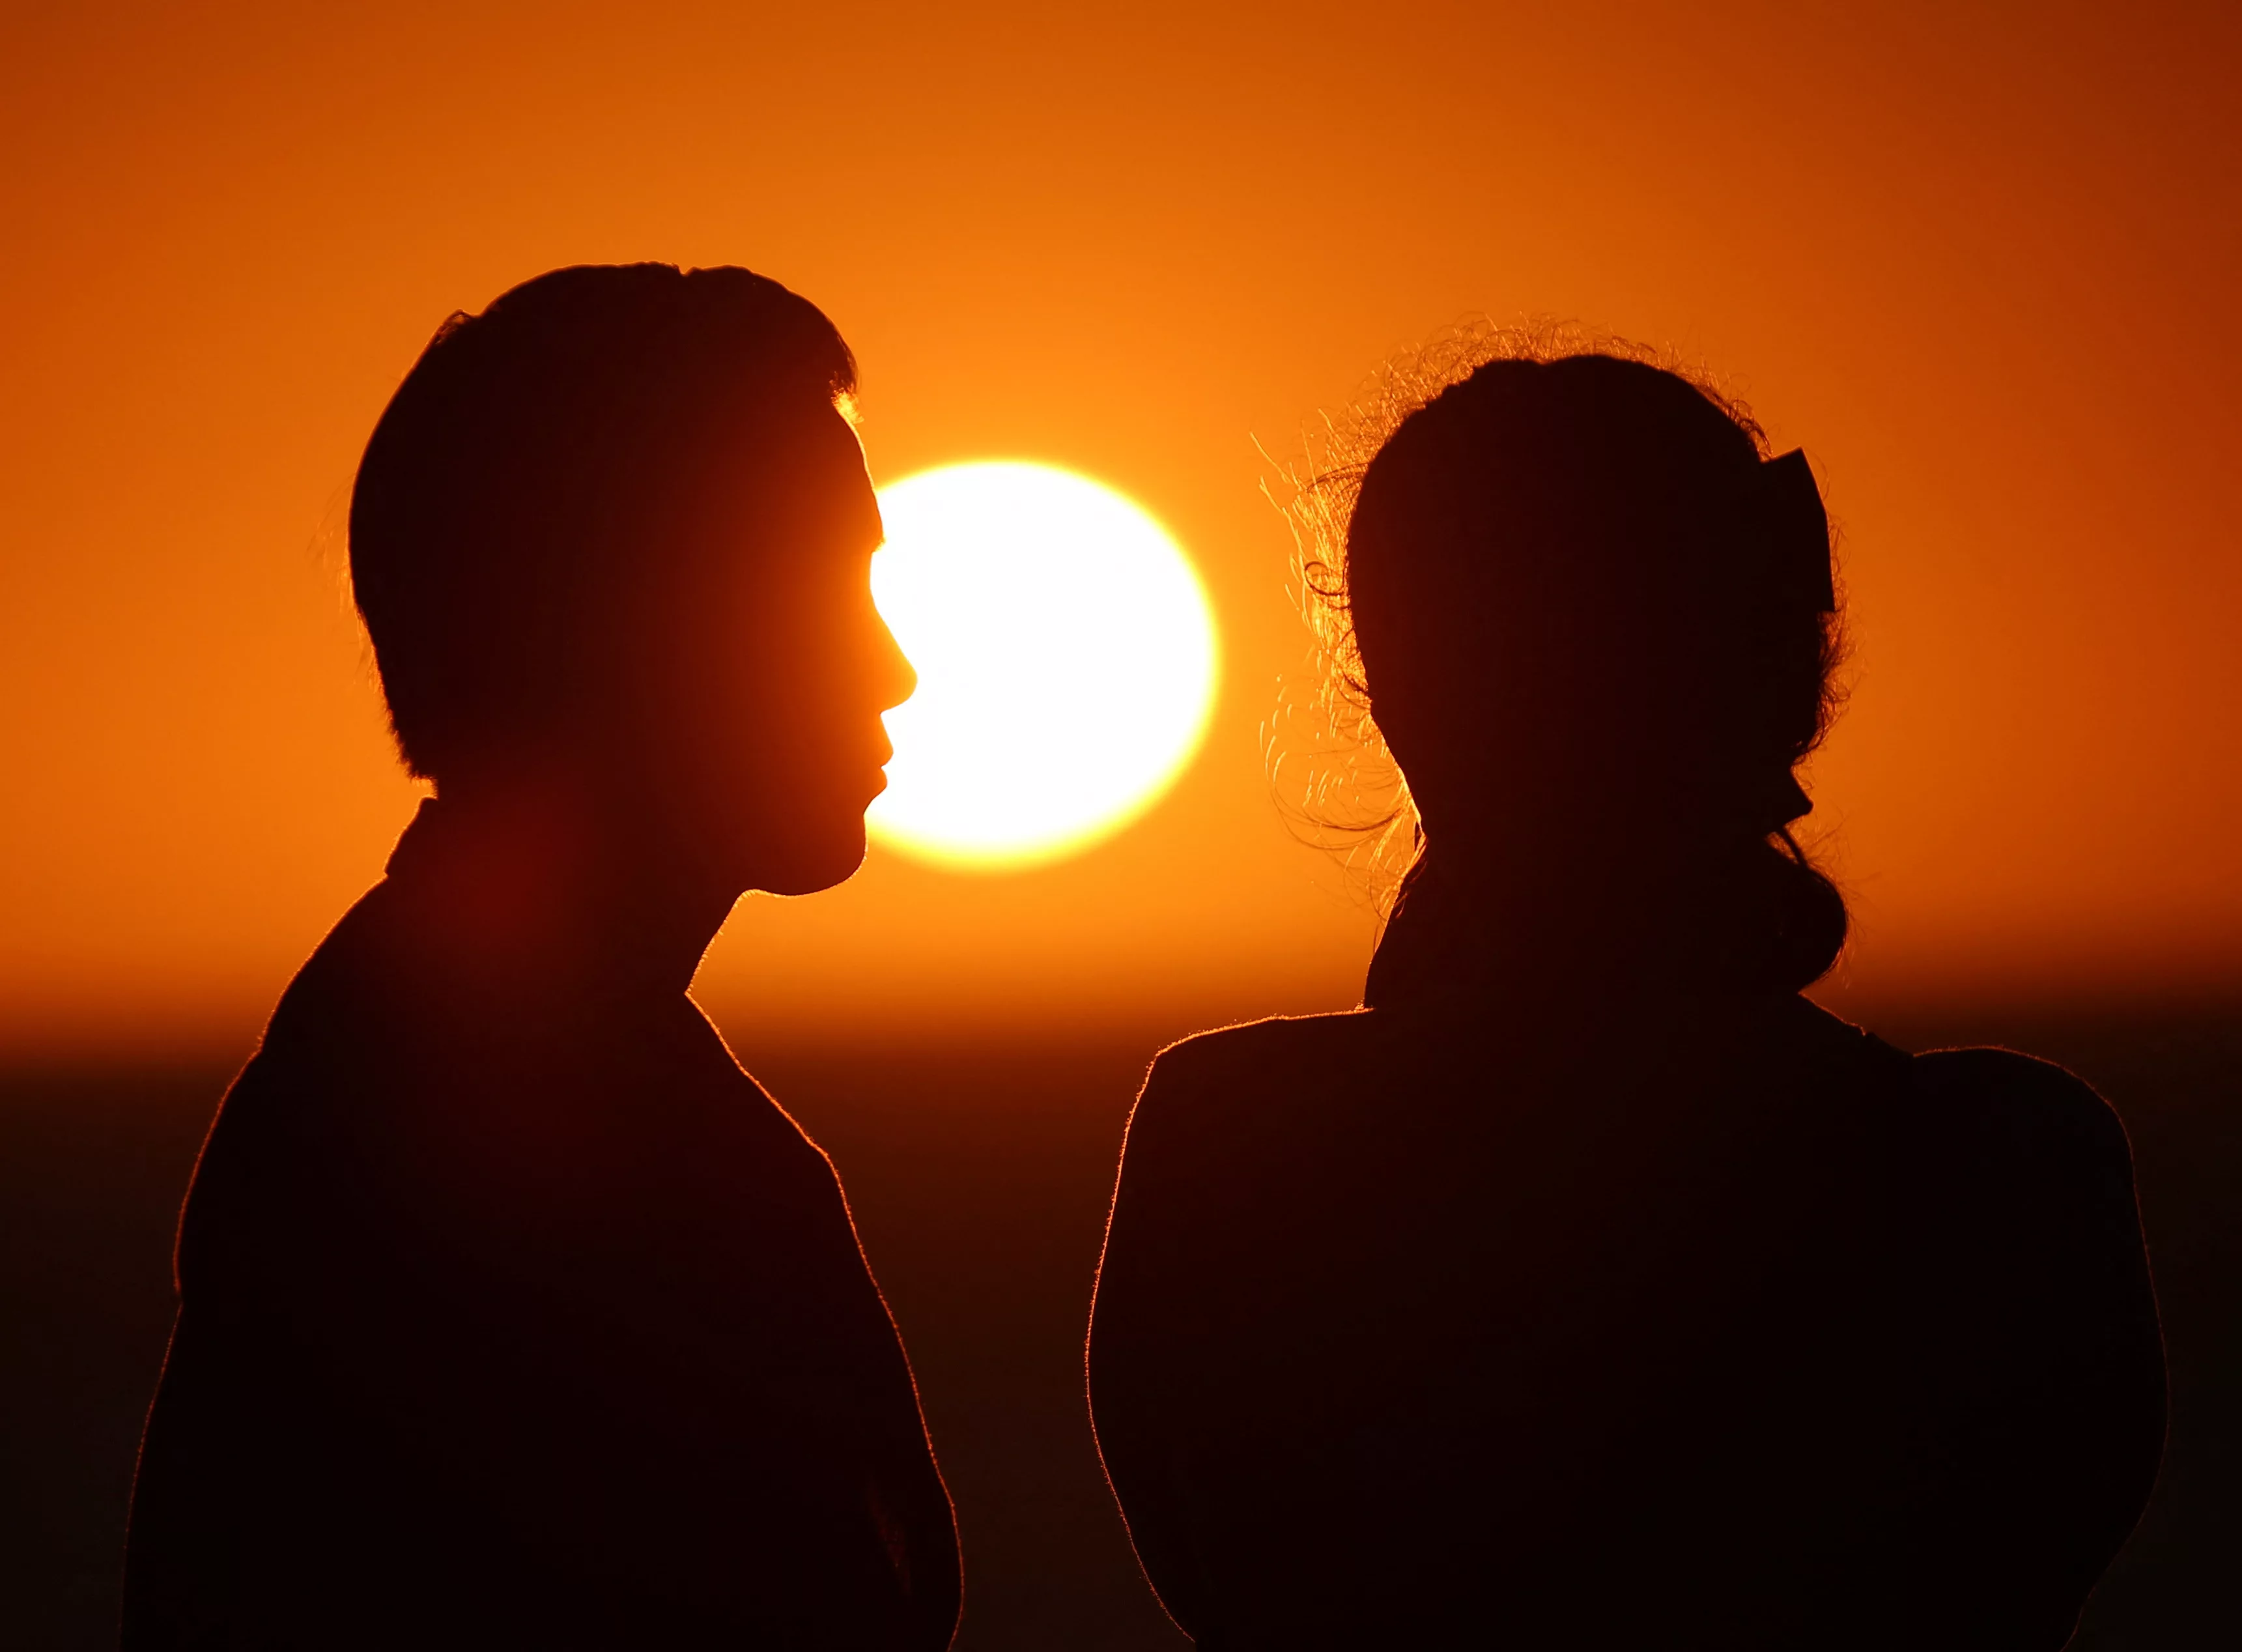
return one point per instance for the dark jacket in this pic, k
(513, 1313)
(1718, 1325)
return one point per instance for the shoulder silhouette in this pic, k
(513, 1313)
(1588, 1287)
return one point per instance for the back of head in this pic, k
(1593, 626)
(541, 468)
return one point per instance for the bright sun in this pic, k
(1066, 663)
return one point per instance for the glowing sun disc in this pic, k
(1066, 663)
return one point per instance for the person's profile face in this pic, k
(773, 744)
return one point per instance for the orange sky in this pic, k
(1983, 267)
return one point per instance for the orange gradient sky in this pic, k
(1981, 261)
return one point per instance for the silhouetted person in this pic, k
(513, 1313)
(1588, 1287)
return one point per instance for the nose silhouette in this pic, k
(898, 677)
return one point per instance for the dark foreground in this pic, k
(979, 1179)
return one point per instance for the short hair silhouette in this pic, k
(1587, 1286)
(545, 457)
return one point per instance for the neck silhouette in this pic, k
(545, 881)
(1541, 926)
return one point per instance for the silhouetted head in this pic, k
(611, 541)
(1593, 629)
